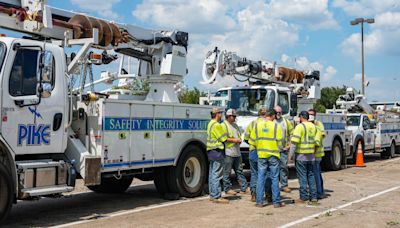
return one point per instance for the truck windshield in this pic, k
(2, 54)
(353, 121)
(249, 101)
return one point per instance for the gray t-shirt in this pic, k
(235, 150)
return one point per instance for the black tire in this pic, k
(160, 180)
(6, 193)
(190, 174)
(355, 150)
(389, 152)
(333, 159)
(112, 185)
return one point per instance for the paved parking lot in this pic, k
(360, 197)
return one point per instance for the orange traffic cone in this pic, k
(360, 156)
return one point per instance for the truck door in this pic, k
(30, 124)
(369, 136)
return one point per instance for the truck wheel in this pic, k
(189, 176)
(333, 159)
(389, 152)
(112, 185)
(160, 180)
(6, 192)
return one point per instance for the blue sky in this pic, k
(308, 34)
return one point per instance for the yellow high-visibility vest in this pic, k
(289, 129)
(249, 129)
(304, 136)
(228, 131)
(266, 137)
(320, 137)
(216, 136)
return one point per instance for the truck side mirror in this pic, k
(293, 104)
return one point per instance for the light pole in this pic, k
(356, 22)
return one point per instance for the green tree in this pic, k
(191, 96)
(329, 95)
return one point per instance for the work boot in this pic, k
(220, 200)
(300, 201)
(231, 192)
(246, 192)
(279, 205)
(253, 198)
(313, 202)
(261, 205)
(286, 189)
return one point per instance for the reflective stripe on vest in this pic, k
(229, 133)
(266, 145)
(214, 136)
(307, 141)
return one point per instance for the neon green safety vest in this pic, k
(216, 136)
(266, 137)
(228, 131)
(320, 136)
(249, 129)
(289, 129)
(304, 136)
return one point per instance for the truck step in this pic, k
(37, 164)
(47, 190)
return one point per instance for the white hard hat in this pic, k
(231, 112)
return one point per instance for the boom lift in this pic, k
(271, 85)
(52, 134)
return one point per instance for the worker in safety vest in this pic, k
(266, 137)
(253, 158)
(233, 158)
(287, 130)
(216, 155)
(319, 153)
(303, 144)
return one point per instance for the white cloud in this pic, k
(314, 14)
(284, 58)
(365, 8)
(330, 71)
(382, 38)
(103, 8)
(193, 16)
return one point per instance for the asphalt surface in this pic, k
(359, 197)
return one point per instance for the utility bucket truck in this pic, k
(377, 130)
(52, 133)
(269, 85)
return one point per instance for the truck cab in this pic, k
(363, 131)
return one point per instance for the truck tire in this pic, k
(333, 159)
(160, 180)
(6, 192)
(190, 174)
(112, 185)
(355, 150)
(389, 152)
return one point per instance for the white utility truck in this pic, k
(52, 133)
(268, 86)
(378, 131)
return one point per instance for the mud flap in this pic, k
(92, 170)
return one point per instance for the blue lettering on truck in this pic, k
(33, 135)
(158, 124)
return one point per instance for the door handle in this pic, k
(57, 121)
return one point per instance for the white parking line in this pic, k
(140, 209)
(338, 207)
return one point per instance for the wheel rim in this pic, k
(337, 155)
(191, 172)
(392, 150)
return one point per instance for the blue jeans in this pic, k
(318, 179)
(234, 163)
(284, 170)
(253, 160)
(305, 173)
(214, 178)
(268, 179)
